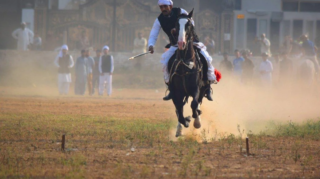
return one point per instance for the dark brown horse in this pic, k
(186, 73)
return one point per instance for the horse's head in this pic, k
(184, 27)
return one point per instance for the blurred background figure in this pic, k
(84, 40)
(286, 69)
(96, 73)
(81, 74)
(106, 67)
(309, 51)
(225, 65)
(266, 70)
(140, 46)
(64, 62)
(247, 67)
(210, 43)
(237, 65)
(264, 44)
(24, 37)
(90, 65)
(287, 45)
(37, 42)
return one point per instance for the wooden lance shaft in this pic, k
(247, 146)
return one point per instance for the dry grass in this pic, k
(102, 133)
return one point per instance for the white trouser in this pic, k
(64, 87)
(105, 78)
(170, 52)
(64, 81)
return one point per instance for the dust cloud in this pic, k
(253, 107)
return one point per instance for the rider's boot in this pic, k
(208, 91)
(169, 96)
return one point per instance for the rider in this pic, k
(166, 21)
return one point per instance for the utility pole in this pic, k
(114, 25)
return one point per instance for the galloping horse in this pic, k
(186, 71)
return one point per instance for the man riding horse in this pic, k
(167, 21)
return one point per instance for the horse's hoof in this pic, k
(188, 119)
(186, 124)
(179, 130)
(197, 123)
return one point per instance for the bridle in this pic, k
(180, 61)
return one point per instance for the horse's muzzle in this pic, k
(181, 45)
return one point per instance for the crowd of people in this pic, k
(90, 71)
(281, 64)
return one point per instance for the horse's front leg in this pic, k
(195, 105)
(178, 102)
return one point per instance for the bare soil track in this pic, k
(130, 137)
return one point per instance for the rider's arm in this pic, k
(154, 33)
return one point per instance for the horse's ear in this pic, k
(191, 14)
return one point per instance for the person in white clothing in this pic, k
(265, 44)
(167, 21)
(106, 68)
(24, 37)
(266, 70)
(64, 62)
(140, 44)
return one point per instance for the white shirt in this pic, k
(24, 37)
(265, 46)
(140, 45)
(156, 29)
(267, 68)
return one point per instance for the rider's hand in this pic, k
(151, 50)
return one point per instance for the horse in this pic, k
(186, 71)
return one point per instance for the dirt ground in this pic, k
(131, 135)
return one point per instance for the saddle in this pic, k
(199, 57)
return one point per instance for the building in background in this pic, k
(233, 24)
(277, 19)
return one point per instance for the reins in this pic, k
(178, 61)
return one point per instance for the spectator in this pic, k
(285, 68)
(84, 41)
(247, 66)
(37, 42)
(317, 43)
(309, 51)
(287, 44)
(264, 44)
(24, 37)
(225, 64)
(90, 65)
(106, 67)
(81, 74)
(237, 64)
(140, 45)
(64, 62)
(209, 42)
(265, 70)
(96, 73)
